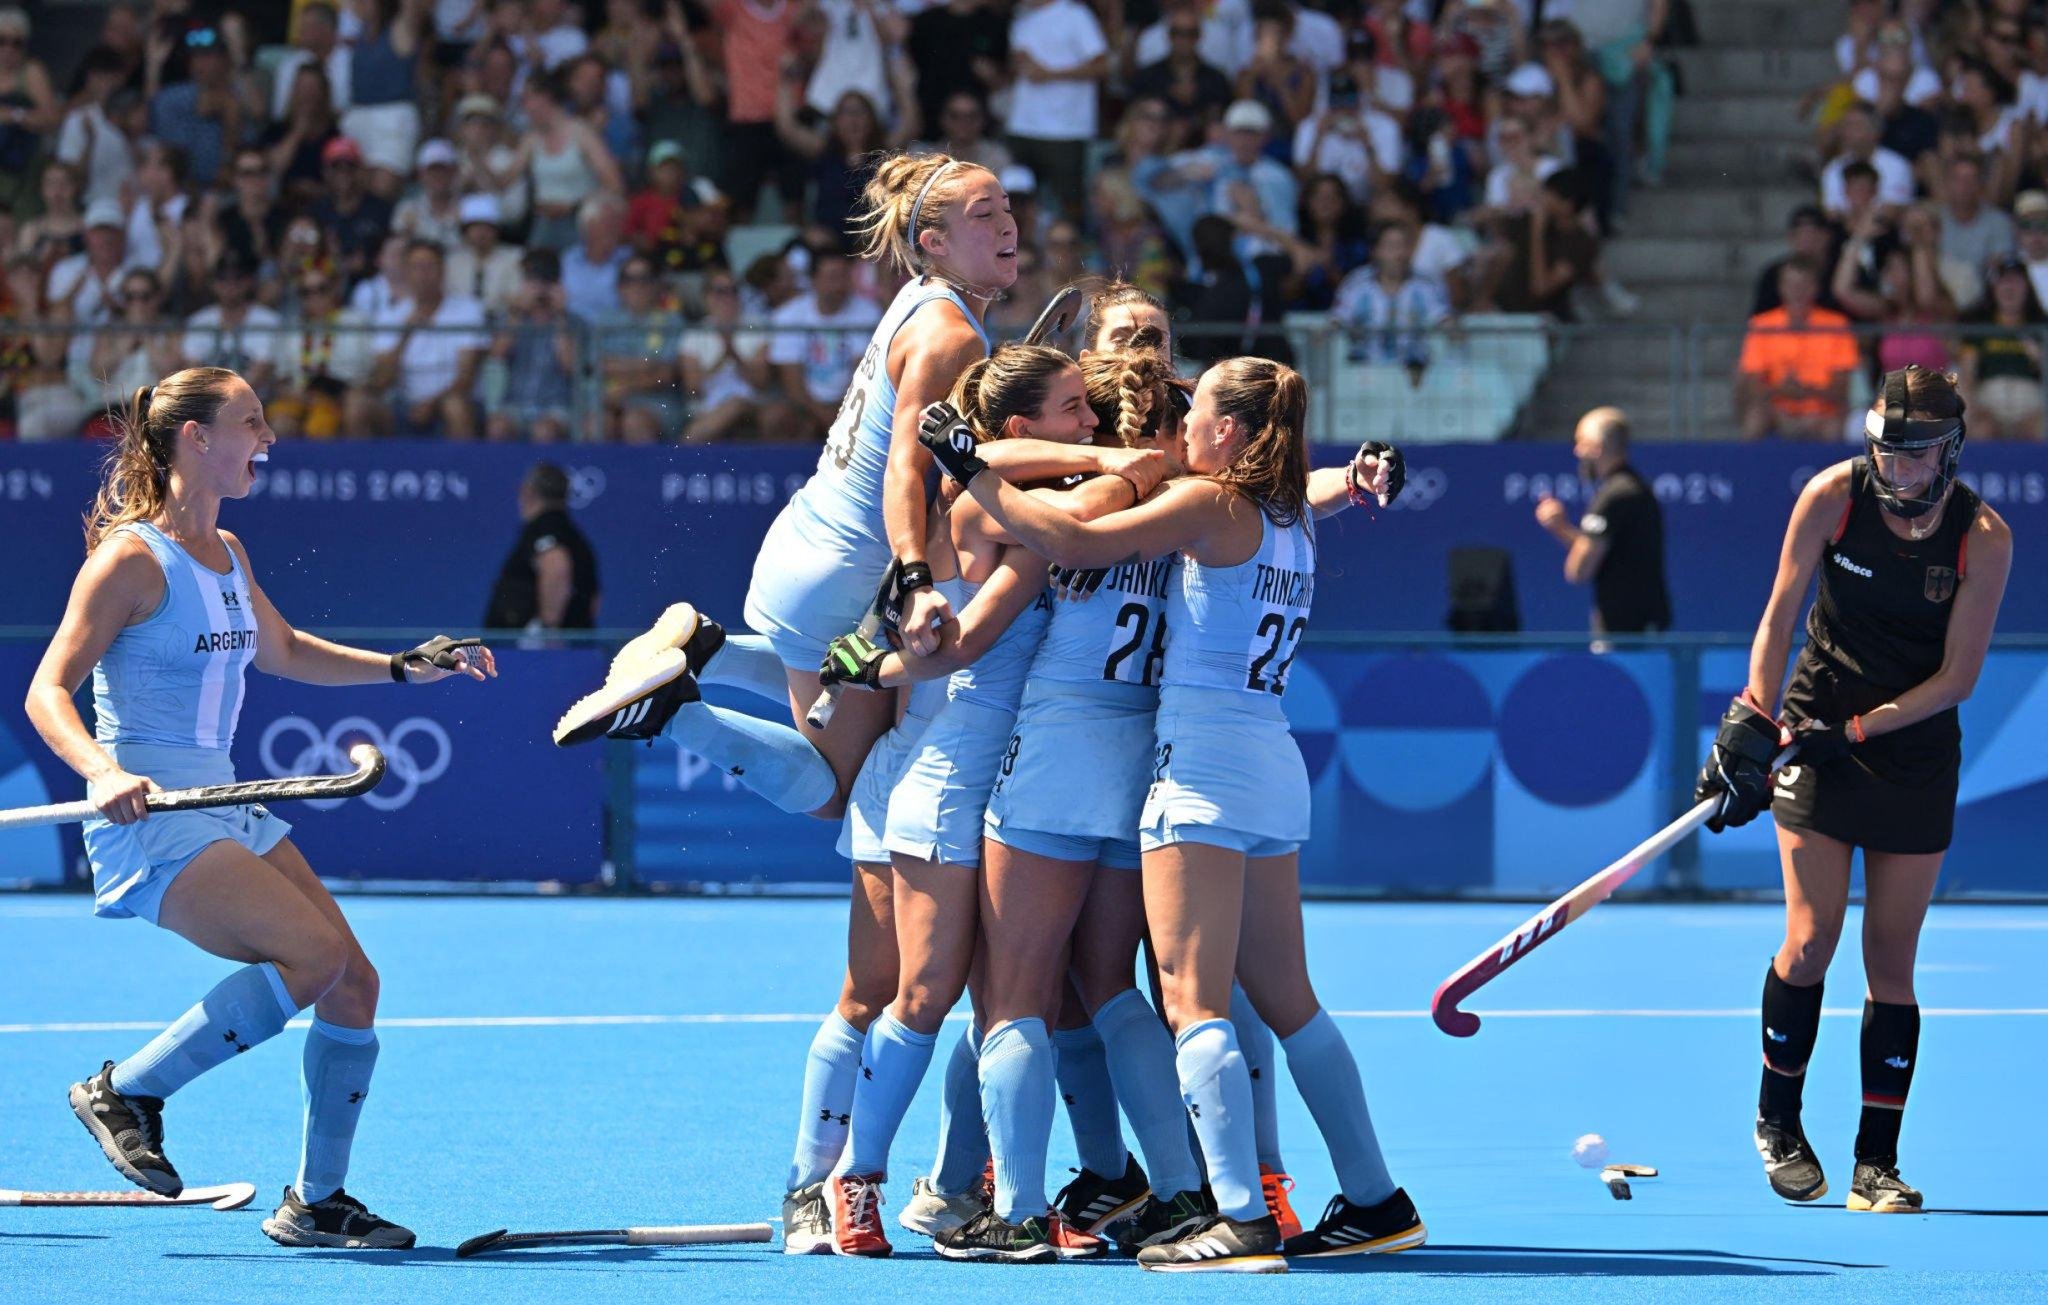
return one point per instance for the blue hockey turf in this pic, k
(591, 1063)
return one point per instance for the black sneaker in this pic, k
(1347, 1229)
(1878, 1189)
(1158, 1222)
(340, 1220)
(1091, 1202)
(654, 674)
(1220, 1245)
(1790, 1164)
(129, 1129)
(989, 1236)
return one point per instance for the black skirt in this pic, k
(1896, 793)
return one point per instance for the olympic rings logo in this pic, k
(327, 754)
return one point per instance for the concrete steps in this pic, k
(1783, 23)
(1770, 69)
(1734, 212)
(1653, 259)
(1748, 116)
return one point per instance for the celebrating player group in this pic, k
(1054, 742)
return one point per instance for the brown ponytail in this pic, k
(1270, 403)
(1127, 388)
(135, 481)
(1011, 382)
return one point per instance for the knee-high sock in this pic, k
(963, 1138)
(1218, 1093)
(336, 1068)
(1327, 1077)
(745, 661)
(829, 1072)
(892, 1064)
(1017, 1088)
(1090, 1095)
(1791, 1025)
(248, 1007)
(1891, 1043)
(1255, 1040)
(1139, 1053)
(773, 760)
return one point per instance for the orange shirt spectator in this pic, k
(1793, 376)
(758, 37)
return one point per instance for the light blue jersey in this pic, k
(176, 677)
(825, 552)
(1226, 771)
(1117, 635)
(997, 678)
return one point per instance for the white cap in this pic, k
(105, 212)
(1531, 80)
(1248, 115)
(436, 151)
(480, 208)
(1019, 180)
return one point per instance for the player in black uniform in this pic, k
(1912, 567)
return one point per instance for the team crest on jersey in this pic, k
(1940, 585)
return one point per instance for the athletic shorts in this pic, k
(1896, 793)
(867, 807)
(133, 865)
(1225, 762)
(806, 593)
(1074, 773)
(936, 812)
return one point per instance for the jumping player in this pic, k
(167, 617)
(1912, 568)
(1219, 852)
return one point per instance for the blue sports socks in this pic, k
(248, 1007)
(1090, 1097)
(1140, 1057)
(337, 1067)
(892, 1064)
(963, 1139)
(1017, 1087)
(829, 1073)
(1327, 1077)
(1255, 1040)
(1218, 1092)
(773, 760)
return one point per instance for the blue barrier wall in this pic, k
(411, 534)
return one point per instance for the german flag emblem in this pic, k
(1941, 584)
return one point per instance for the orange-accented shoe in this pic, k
(1071, 1242)
(1277, 1185)
(857, 1216)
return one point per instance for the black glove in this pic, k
(853, 659)
(1738, 770)
(1075, 582)
(1820, 743)
(951, 441)
(1390, 458)
(438, 651)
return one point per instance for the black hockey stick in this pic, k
(369, 769)
(710, 1234)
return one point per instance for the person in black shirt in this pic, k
(1912, 566)
(1618, 545)
(1808, 235)
(549, 580)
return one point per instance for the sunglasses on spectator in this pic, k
(204, 38)
(13, 40)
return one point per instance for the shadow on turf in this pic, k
(51, 1237)
(1981, 1214)
(1553, 1262)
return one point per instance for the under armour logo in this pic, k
(1067, 1097)
(1898, 1062)
(825, 1116)
(239, 1046)
(231, 600)
(867, 1073)
(1255, 1075)
(1194, 1110)
(356, 1098)
(1774, 1035)
(737, 771)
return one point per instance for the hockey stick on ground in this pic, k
(369, 769)
(227, 1196)
(712, 1234)
(1548, 922)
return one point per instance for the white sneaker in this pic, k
(806, 1222)
(932, 1212)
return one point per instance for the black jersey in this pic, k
(1629, 596)
(515, 598)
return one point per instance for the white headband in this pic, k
(917, 254)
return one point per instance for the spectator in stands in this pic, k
(635, 350)
(769, 283)
(1440, 256)
(1516, 180)
(1225, 41)
(433, 210)
(324, 359)
(565, 160)
(861, 39)
(1360, 144)
(156, 221)
(590, 270)
(486, 160)
(1400, 39)
(32, 363)
(818, 341)
(839, 153)
(1901, 94)
(2000, 369)
(963, 134)
(482, 266)
(551, 38)
(1275, 75)
(675, 220)
(294, 146)
(1985, 100)
(1972, 231)
(1129, 242)
(1618, 544)
(383, 114)
(1621, 35)
(725, 366)
(1332, 244)
(960, 46)
(59, 230)
(1548, 253)
(536, 350)
(357, 217)
(1859, 136)
(316, 43)
(602, 100)
(29, 108)
(1388, 311)
(1193, 91)
(758, 39)
(1250, 188)
(1581, 110)
(2030, 214)
(1460, 92)
(428, 352)
(1808, 235)
(1174, 190)
(375, 295)
(85, 288)
(128, 349)
(1440, 165)
(1059, 59)
(235, 332)
(1215, 290)
(92, 138)
(1793, 377)
(549, 579)
(205, 116)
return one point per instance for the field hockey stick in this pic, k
(714, 1234)
(228, 1196)
(1059, 314)
(1547, 923)
(880, 612)
(369, 769)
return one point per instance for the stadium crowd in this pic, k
(500, 218)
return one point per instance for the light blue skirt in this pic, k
(936, 812)
(133, 865)
(1226, 761)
